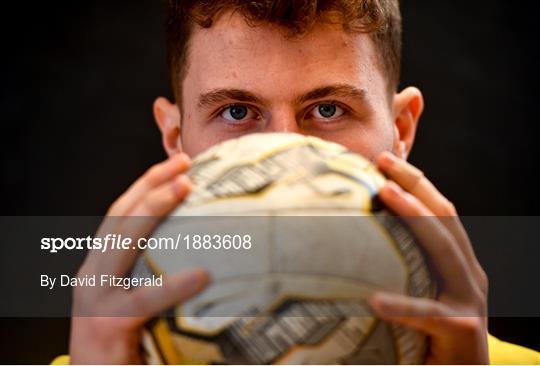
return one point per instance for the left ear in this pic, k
(168, 119)
(408, 107)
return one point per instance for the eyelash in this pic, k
(222, 109)
(346, 110)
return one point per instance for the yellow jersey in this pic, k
(500, 353)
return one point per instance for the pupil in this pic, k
(238, 112)
(327, 110)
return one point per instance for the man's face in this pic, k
(242, 79)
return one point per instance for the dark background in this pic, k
(78, 80)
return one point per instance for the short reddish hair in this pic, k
(379, 18)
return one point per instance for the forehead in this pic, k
(265, 60)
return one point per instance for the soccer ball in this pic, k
(292, 233)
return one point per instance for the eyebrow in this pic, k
(218, 96)
(337, 91)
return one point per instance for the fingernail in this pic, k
(181, 158)
(380, 300)
(182, 185)
(186, 158)
(196, 278)
(184, 180)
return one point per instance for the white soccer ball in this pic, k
(294, 238)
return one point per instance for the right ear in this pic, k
(168, 119)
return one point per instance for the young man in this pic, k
(324, 68)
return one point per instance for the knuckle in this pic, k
(449, 208)
(413, 178)
(114, 208)
(448, 247)
(483, 281)
(480, 300)
(470, 326)
(474, 303)
(180, 188)
(160, 200)
(419, 174)
(151, 177)
(183, 162)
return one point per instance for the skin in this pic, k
(280, 85)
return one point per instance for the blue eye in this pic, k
(237, 113)
(326, 111)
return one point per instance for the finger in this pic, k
(425, 315)
(163, 199)
(155, 176)
(146, 216)
(444, 253)
(146, 302)
(454, 225)
(413, 181)
(452, 334)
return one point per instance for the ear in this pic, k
(168, 120)
(408, 107)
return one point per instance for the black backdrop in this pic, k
(79, 78)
